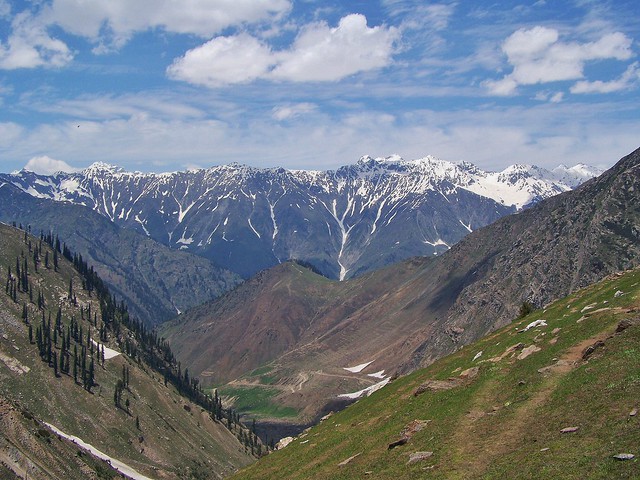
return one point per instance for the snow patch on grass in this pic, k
(365, 391)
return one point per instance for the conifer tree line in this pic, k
(71, 350)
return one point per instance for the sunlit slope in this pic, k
(497, 408)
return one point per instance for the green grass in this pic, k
(258, 401)
(506, 422)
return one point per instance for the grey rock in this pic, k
(624, 456)
(416, 457)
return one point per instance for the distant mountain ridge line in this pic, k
(366, 167)
(343, 222)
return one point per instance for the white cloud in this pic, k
(416, 14)
(113, 22)
(537, 56)
(47, 166)
(29, 46)
(629, 79)
(285, 112)
(319, 53)
(546, 134)
(223, 60)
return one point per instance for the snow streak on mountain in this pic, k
(343, 222)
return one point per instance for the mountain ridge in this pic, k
(342, 221)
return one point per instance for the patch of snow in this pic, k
(185, 241)
(109, 353)
(537, 323)
(477, 356)
(254, 230)
(365, 391)
(379, 375)
(468, 227)
(358, 368)
(284, 442)
(121, 467)
(437, 242)
(137, 219)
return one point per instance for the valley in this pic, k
(289, 323)
(289, 347)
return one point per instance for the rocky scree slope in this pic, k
(343, 222)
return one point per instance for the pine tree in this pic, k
(75, 363)
(91, 376)
(55, 365)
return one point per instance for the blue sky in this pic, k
(163, 85)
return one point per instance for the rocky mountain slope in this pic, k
(293, 333)
(553, 395)
(73, 359)
(343, 222)
(155, 281)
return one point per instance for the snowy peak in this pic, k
(101, 168)
(343, 222)
(576, 175)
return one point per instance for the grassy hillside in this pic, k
(497, 408)
(154, 430)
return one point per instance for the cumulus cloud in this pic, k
(29, 46)
(537, 56)
(223, 60)
(629, 79)
(319, 53)
(113, 22)
(47, 166)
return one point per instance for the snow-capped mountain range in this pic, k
(343, 222)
